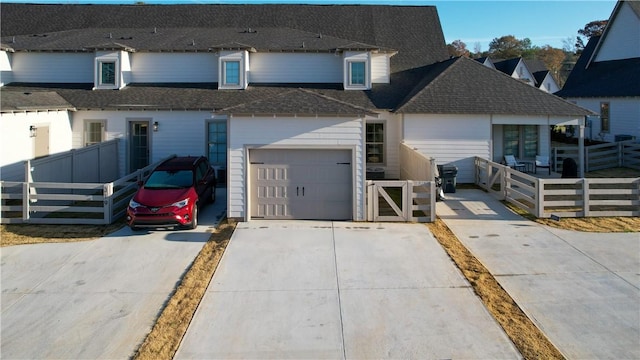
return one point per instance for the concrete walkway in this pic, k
(340, 290)
(94, 299)
(581, 289)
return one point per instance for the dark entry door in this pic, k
(138, 145)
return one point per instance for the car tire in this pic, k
(194, 218)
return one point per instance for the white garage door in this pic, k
(301, 184)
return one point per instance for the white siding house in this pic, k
(606, 78)
(298, 110)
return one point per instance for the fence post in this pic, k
(25, 201)
(408, 202)
(503, 181)
(620, 153)
(369, 187)
(539, 198)
(432, 201)
(585, 196)
(107, 195)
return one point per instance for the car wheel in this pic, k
(194, 217)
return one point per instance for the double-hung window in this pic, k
(605, 124)
(231, 73)
(108, 73)
(93, 132)
(357, 73)
(375, 144)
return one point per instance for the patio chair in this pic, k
(542, 162)
(511, 162)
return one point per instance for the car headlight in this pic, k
(133, 204)
(181, 203)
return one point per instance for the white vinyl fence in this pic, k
(68, 203)
(602, 156)
(545, 198)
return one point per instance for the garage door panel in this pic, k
(301, 184)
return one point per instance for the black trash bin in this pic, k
(569, 169)
(448, 174)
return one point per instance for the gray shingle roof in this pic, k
(615, 78)
(464, 86)
(18, 101)
(414, 31)
(298, 101)
(183, 39)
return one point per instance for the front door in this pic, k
(138, 145)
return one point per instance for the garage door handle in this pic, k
(297, 191)
(303, 191)
(345, 163)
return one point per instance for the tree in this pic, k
(552, 58)
(591, 29)
(508, 46)
(458, 48)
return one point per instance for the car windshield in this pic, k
(165, 179)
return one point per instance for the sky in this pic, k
(475, 22)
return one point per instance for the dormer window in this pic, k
(231, 73)
(357, 70)
(357, 73)
(107, 73)
(232, 69)
(108, 70)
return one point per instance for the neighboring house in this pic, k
(295, 102)
(606, 78)
(532, 72)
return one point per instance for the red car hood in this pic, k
(161, 197)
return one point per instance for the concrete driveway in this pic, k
(94, 299)
(581, 289)
(340, 290)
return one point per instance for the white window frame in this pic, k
(241, 57)
(117, 76)
(352, 57)
(351, 73)
(85, 131)
(384, 143)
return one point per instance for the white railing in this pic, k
(68, 203)
(545, 198)
(401, 200)
(601, 156)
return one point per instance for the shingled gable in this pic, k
(414, 31)
(298, 102)
(614, 78)
(464, 86)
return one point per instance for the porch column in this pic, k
(581, 148)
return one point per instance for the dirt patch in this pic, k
(20, 234)
(587, 224)
(165, 337)
(529, 340)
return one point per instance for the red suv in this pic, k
(172, 194)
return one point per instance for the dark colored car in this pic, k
(172, 194)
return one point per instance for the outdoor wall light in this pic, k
(33, 131)
(155, 126)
